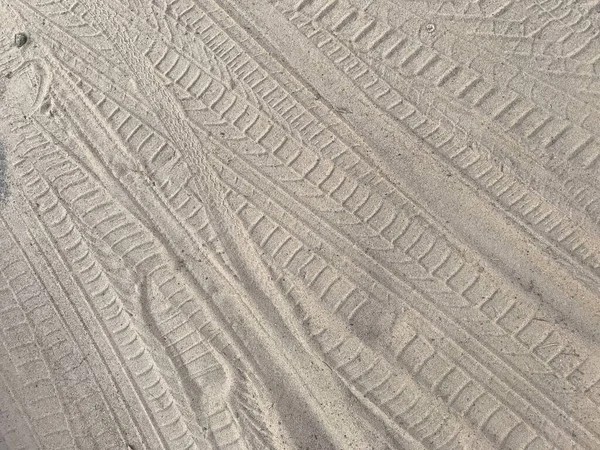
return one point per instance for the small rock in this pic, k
(20, 39)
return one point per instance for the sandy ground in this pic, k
(300, 224)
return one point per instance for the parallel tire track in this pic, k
(219, 97)
(245, 273)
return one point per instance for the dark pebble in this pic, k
(20, 39)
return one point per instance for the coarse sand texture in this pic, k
(300, 224)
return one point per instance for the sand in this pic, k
(299, 224)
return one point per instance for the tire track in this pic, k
(445, 69)
(337, 294)
(15, 425)
(168, 64)
(558, 96)
(244, 257)
(160, 174)
(41, 397)
(430, 68)
(79, 390)
(526, 206)
(177, 126)
(307, 192)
